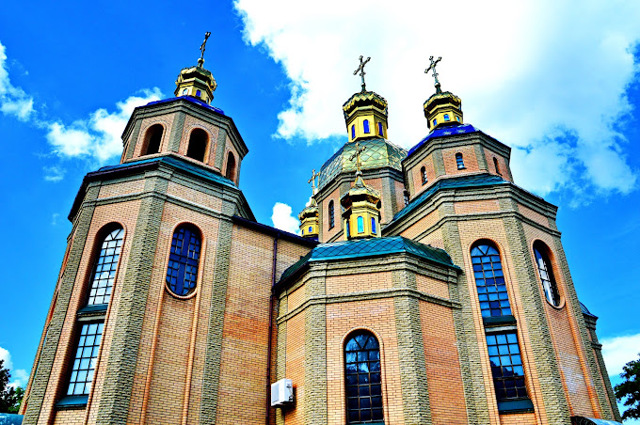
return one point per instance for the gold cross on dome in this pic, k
(312, 180)
(432, 67)
(356, 155)
(203, 46)
(361, 70)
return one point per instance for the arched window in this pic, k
(353, 131)
(198, 143)
(231, 167)
(492, 290)
(435, 122)
(363, 382)
(423, 174)
(365, 126)
(182, 272)
(373, 225)
(331, 215)
(460, 161)
(104, 269)
(360, 221)
(152, 139)
(406, 198)
(380, 129)
(546, 273)
(446, 117)
(495, 164)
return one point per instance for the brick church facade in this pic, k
(426, 288)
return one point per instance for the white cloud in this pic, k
(19, 377)
(282, 218)
(546, 77)
(620, 350)
(53, 173)
(13, 100)
(97, 137)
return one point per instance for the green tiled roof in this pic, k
(477, 180)
(370, 248)
(378, 153)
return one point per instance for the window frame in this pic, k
(541, 249)
(495, 279)
(92, 360)
(102, 236)
(184, 260)
(460, 161)
(332, 214)
(365, 389)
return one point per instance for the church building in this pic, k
(425, 287)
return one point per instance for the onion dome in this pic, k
(361, 210)
(365, 114)
(309, 221)
(196, 81)
(379, 153)
(442, 109)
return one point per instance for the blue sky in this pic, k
(558, 83)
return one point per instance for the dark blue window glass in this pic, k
(84, 363)
(360, 224)
(373, 225)
(435, 122)
(380, 129)
(492, 291)
(198, 92)
(104, 269)
(365, 125)
(332, 221)
(363, 383)
(460, 161)
(182, 272)
(506, 366)
(310, 229)
(353, 131)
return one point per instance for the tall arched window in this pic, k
(104, 269)
(365, 126)
(182, 272)
(152, 139)
(492, 291)
(380, 129)
(495, 164)
(363, 381)
(353, 131)
(460, 161)
(231, 167)
(545, 272)
(332, 221)
(423, 175)
(360, 221)
(198, 143)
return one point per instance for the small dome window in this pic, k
(185, 91)
(353, 131)
(423, 174)
(360, 224)
(446, 117)
(406, 198)
(198, 93)
(365, 126)
(435, 122)
(457, 118)
(373, 225)
(495, 164)
(380, 129)
(198, 144)
(310, 229)
(331, 215)
(460, 161)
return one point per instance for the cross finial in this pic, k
(202, 47)
(361, 70)
(312, 180)
(356, 155)
(435, 74)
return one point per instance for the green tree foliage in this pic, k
(10, 398)
(629, 390)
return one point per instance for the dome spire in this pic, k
(442, 108)
(365, 112)
(196, 81)
(309, 216)
(361, 205)
(361, 70)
